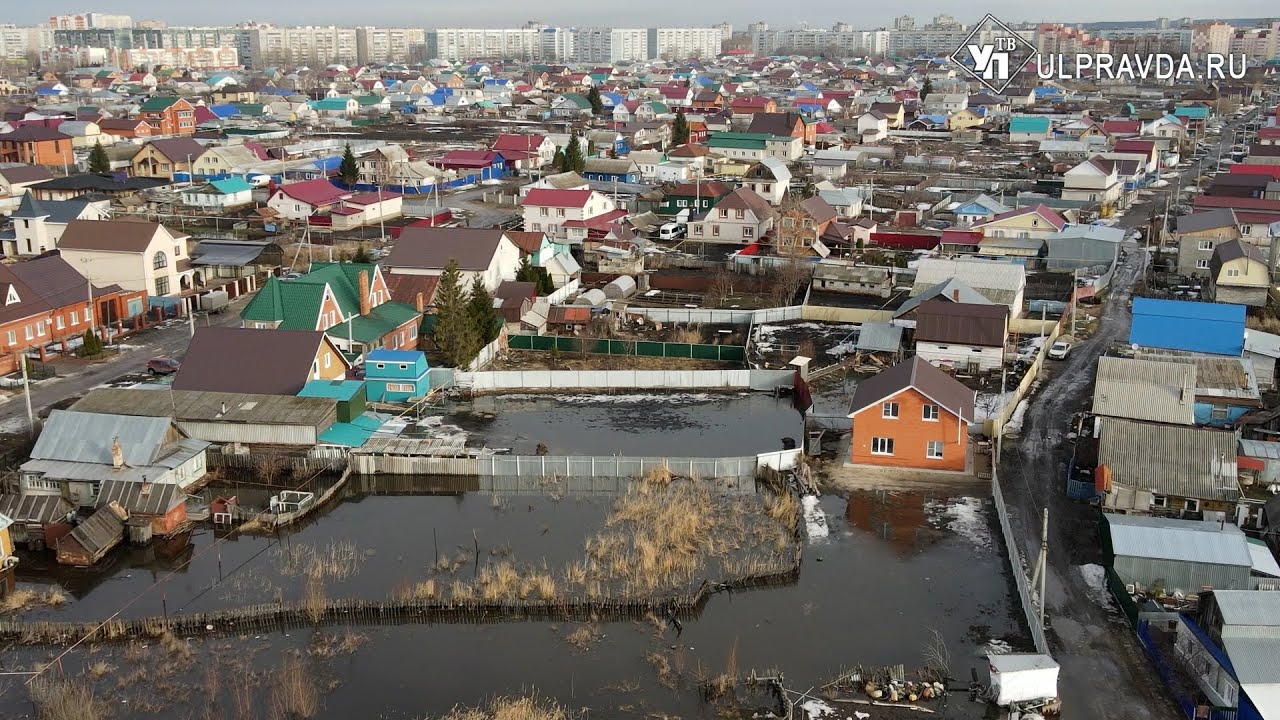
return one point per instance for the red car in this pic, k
(163, 366)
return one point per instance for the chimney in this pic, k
(364, 292)
(419, 304)
(117, 455)
(955, 294)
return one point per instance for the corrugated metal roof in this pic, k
(212, 406)
(35, 509)
(1264, 562)
(1145, 390)
(103, 530)
(86, 437)
(1170, 459)
(141, 498)
(1254, 658)
(978, 274)
(879, 337)
(1261, 343)
(1194, 541)
(1248, 608)
(1260, 449)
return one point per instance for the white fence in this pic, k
(719, 316)
(559, 296)
(488, 353)
(522, 467)
(612, 379)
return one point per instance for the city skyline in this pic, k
(818, 14)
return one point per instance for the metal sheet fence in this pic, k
(719, 316)
(526, 472)
(1014, 553)
(612, 379)
(646, 348)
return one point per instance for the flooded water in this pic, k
(892, 568)
(673, 425)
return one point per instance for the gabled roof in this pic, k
(746, 199)
(84, 437)
(433, 247)
(214, 360)
(128, 235)
(948, 322)
(919, 375)
(547, 197)
(55, 281)
(1235, 250)
(1046, 213)
(1207, 220)
(33, 133)
(1176, 460)
(1149, 390)
(319, 192)
(528, 241)
(101, 532)
(950, 290)
(141, 498)
(26, 174)
(177, 149)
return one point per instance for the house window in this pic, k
(177, 251)
(1232, 272)
(1202, 264)
(544, 211)
(933, 450)
(559, 212)
(724, 213)
(1244, 230)
(748, 232)
(162, 286)
(1206, 245)
(61, 323)
(930, 413)
(380, 366)
(537, 227)
(12, 337)
(1159, 501)
(739, 214)
(26, 333)
(75, 317)
(1219, 412)
(697, 229)
(328, 360)
(715, 230)
(404, 366)
(159, 260)
(1193, 505)
(881, 446)
(889, 410)
(400, 387)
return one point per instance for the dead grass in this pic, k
(65, 700)
(99, 669)
(314, 601)
(662, 667)
(661, 475)
(691, 333)
(294, 694)
(25, 598)
(334, 561)
(583, 637)
(331, 646)
(1266, 323)
(524, 708)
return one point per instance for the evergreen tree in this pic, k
(557, 161)
(349, 171)
(597, 104)
(680, 129)
(456, 334)
(480, 307)
(574, 160)
(98, 160)
(545, 286)
(926, 90)
(362, 254)
(91, 345)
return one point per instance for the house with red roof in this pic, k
(1146, 152)
(35, 145)
(1268, 136)
(525, 151)
(301, 200)
(1118, 129)
(369, 208)
(1035, 222)
(752, 104)
(676, 95)
(1095, 180)
(485, 164)
(570, 216)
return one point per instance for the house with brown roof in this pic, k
(15, 179)
(215, 361)
(784, 124)
(912, 415)
(64, 290)
(36, 145)
(962, 336)
(484, 252)
(1238, 273)
(130, 252)
(165, 158)
(742, 217)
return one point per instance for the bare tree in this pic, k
(720, 288)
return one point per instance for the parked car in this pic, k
(1060, 349)
(671, 231)
(163, 366)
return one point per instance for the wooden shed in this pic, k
(162, 504)
(93, 538)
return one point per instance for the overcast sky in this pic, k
(650, 13)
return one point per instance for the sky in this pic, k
(653, 13)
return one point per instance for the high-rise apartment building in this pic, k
(19, 42)
(390, 45)
(1211, 39)
(606, 45)
(684, 43)
(310, 45)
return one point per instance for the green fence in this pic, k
(695, 351)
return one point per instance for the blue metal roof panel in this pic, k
(1213, 328)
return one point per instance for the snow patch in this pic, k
(1095, 580)
(964, 516)
(844, 348)
(996, 646)
(1014, 426)
(989, 404)
(817, 709)
(815, 521)
(631, 398)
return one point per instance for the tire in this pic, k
(151, 371)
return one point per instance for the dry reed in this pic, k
(524, 708)
(65, 700)
(295, 695)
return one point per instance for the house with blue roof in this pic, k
(396, 375)
(1026, 128)
(219, 194)
(1196, 118)
(1198, 327)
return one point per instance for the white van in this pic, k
(671, 231)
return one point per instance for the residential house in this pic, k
(34, 517)
(526, 151)
(232, 192)
(873, 126)
(742, 217)
(133, 253)
(1225, 388)
(756, 146)
(214, 361)
(1197, 327)
(805, 228)
(1095, 181)
(1157, 391)
(15, 179)
(695, 197)
(162, 506)
(485, 164)
(1029, 129)
(962, 336)
(951, 290)
(1036, 221)
(770, 179)
(1000, 282)
(853, 279)
(966, 118)
(349, 302)
(1238, 273)
(784, 124)
(36, 145)
(126, 128)
(169, 116)
(979, 210)
(166, 158)
(51, 282)
(894, 113)
(1174, 470)
(1199, 234)
(335, 107)
(301, 200)
(570, 216)
(224, 160)
(39, 224)
(752, 104)
(396, 375)
(912, 415)
(1083, 246)
(484, 252)
(1168, 556)
(79, 451)
(622, 170)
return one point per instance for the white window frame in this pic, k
(890, 410)
(881, 446)
(1159, 501)
(933, 449)
(930, 413)
(1192, 505)
(1206, 245)
(1202, 264)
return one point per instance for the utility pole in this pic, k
(1041, 572)
(1075, 275)
(26, 393)
(191, 315)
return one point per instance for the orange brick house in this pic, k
(125, 127)
(36, 145)
(169, 116)
(912, 415)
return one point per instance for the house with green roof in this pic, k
(219, 194)
(1029, 129)
(754, 147)
(571, 105)
(335, 107)
(349, 302)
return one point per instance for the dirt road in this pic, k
(1104, 671)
